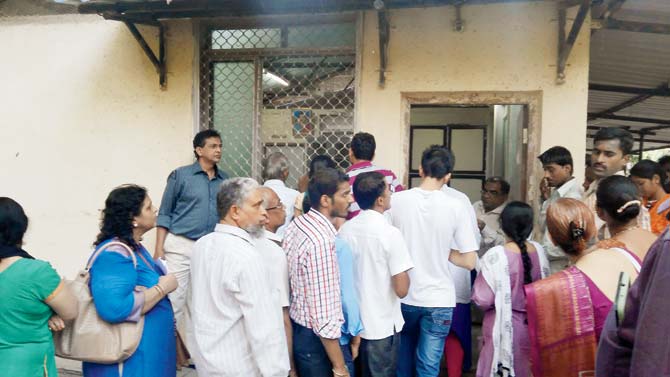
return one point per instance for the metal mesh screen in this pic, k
(288, 89)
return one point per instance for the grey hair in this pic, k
(233, 191)
(274, 166)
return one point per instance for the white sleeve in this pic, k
(398, 258)
(464, 239)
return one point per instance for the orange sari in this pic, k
(658, 214)
(561, 326)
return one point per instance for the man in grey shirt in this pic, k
(188, 212)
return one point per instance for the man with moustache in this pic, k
(611, 153)
(235, 332)
(188, 212)
(316, 306)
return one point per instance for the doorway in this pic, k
(487, 140)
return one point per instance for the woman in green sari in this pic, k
(34, 301)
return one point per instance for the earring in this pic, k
(134, 225)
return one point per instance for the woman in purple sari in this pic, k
(566, 311)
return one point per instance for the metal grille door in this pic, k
(289, 89)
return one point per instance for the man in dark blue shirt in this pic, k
(188, 212)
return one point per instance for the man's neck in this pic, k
(207, 167)
(272, 229)
(326, 213)
(378, 208)
(355, 161)
(432, 184)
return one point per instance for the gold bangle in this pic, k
(159, 289)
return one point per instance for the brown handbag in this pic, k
(90, 338)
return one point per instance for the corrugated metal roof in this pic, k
(630, 59)
(655, 108)
(601, 101)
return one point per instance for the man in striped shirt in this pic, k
(361, 153)
(316, 306)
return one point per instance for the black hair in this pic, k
(202, 136)
(324, 182)
(13, 222)
(647, 169)
(363, 146)
(517, 223)
(368, 187)
(613, 193)
(122, 204)
(612, 133)
(664, 160)
(556, 155)
(437, 161)
(319, 162)
(504, 185)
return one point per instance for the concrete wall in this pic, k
(82, 112)
(504, 48)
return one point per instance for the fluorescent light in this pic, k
(278, 79)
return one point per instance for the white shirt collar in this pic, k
(567, 186)
(233, 230)
(272, 236)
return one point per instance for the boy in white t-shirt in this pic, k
(437, 231)
(381, 262)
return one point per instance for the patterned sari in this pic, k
(561, 326)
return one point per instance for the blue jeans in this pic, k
(310, 356)
(422, 340)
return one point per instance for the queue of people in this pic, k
(357, 275)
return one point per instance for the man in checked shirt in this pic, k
(316, 307)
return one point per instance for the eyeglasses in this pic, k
(278, 206)
(491, 192)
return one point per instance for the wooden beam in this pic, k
(656, 92)
(637, 27)
(158, 62)
(565, 44)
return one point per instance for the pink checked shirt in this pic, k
(365, 167)
(309, 243)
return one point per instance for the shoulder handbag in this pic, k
(90, 338)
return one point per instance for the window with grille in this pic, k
(289, 89)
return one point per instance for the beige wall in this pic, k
(82, 112)
(505, 47)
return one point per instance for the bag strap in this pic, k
(102, 247)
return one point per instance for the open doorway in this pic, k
(487, 140)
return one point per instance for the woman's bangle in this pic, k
(160, 289)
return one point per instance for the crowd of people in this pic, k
(352, 274)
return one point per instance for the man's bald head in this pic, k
(275, 209)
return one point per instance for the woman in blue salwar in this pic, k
(125, 292)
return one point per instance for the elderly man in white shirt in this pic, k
(275, 173)
(495, 194)
(557, 165)
(275, 260)
(381, 262)
(237, 322)
(437, 231)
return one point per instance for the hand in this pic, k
(303, 182)
(355, 344)
(545, 190)
(168, 282)
(481, 224)
(292, 373)
(56, 323)
(340, 372)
